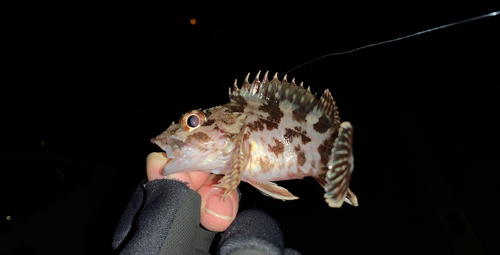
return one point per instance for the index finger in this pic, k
(156, 161)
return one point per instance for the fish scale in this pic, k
(269, 131)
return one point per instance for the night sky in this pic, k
(84, 87)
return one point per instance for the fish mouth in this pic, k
(171, 146)
(178, 159)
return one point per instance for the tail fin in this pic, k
(340, 167)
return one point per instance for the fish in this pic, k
(269, 131)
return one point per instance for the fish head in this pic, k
(200, 140)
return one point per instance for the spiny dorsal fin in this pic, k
(286, 94)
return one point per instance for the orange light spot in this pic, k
(42, 143)
(192, 21)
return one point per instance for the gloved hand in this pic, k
(253, 232)
(163, 217)
(216, 214)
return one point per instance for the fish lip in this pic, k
(173, 147)
(179, 143)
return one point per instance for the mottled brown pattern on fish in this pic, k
(289, 135)
(274, 111)
(223, 117)
(257, 125)
(297, 148)
(197, 137)
(237, 107)
(303, 135)
(296, 132)
(325, 150)
(310, 172)
(228, 119)
(322, 125)
(252, 108)
(209, 123)
(270, 124)
(172, 128)
(265, 164)
(299, 116)
(298, 175)
(239, 99)
(277, 149)
(301, 155)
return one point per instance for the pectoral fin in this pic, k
(340, 170)
(271, 189)
(233, 176)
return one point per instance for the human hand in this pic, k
(162, 218)
(215, 214)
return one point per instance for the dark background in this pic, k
(85, 86)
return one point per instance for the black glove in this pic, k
(163, 217)
(253, 232)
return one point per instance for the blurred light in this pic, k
(192, 21)
(8, 217)
(42, 144)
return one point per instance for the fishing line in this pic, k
(397, 39)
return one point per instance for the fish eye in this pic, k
(193, 120)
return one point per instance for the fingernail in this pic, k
(213, 207)
(155, 162)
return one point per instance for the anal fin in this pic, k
(271, 189)
(340, 169)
